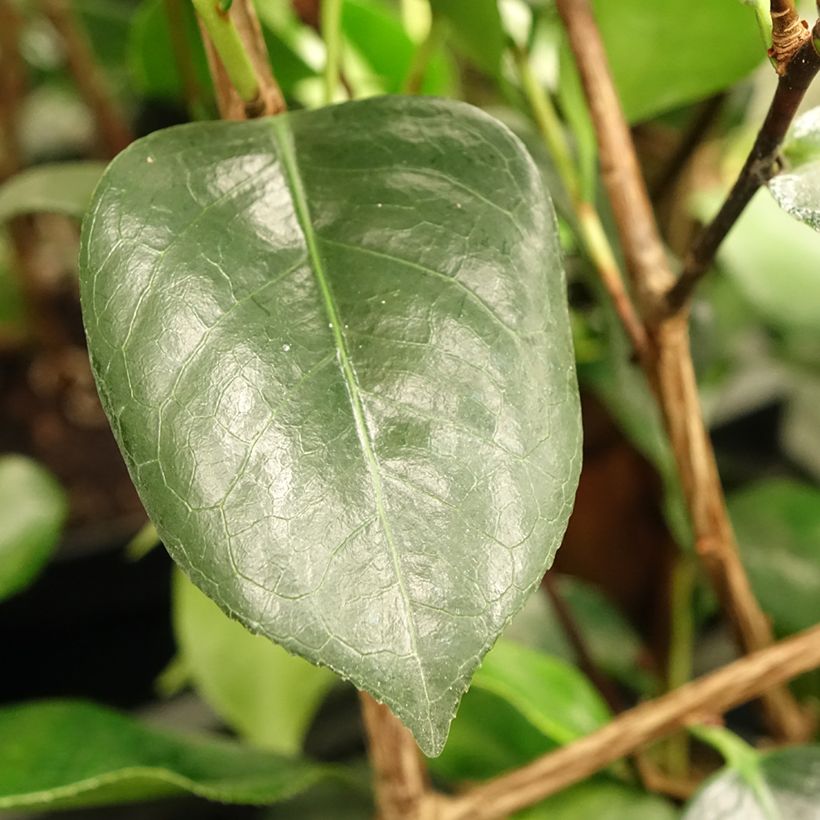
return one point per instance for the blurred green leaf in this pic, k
(476, 29)
(780, 279)
(782, 785)
(151, 61)
(60, 187)
(601, 799)
(33, 509)
(521, 704)
(263, 692)
(375, 31)
(667, 54)
(328, 801)
(778, 528)
(60, 754)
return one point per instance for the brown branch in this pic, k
(230, 104)
(669, 368)
(708, 696)
(401, 783)
(761, 165)
(113, 131)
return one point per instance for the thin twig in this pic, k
(113, 130)
(708, 696)
(669, 368)
(760, 166)
(401, 783)
(230, 104)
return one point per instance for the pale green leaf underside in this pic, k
(335, 352)
(59, 754)
(782, 785)
(797, 189)
(61, 187)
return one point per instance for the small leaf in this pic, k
(60, 187)
(266, 694)
(797, 189)
(335, 351)
(783, 784)
(61, 754)
(521, 704)
(666, 54)
(778, 529)
(601, 799)
(33, 508)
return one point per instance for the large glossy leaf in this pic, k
(33, 508)
(782, 785)
(60, 754)
(60, 187)
(521, 704)
(266, 694)
(334, 349)
(778, 527)
(665, 54)
(797, 190)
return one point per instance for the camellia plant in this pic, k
(331, 333)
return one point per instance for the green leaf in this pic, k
(61, 754)
(377, 35)
(782, 785)
(665, 55)
(267, 695)
(33, 509)
(476, 29)
(613, 643)
(60, 187)
(778, 528)
(334, 349)
(151, 62)
(779, 279)
(797, 190)
(522, 703)
(601, 799)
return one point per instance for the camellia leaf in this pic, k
(797, 190)
(334, 349)
(33, 508)
(61, 754)
(60, 187)
(670, 53)
(768, 786)
(521, 704)
(778, 528)
(266, 694)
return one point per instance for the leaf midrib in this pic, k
(283, 141)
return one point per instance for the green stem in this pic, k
(548, 123)
(596, 243)
(679, 667)
(422, 56)
(332, 33)
(230, 48)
